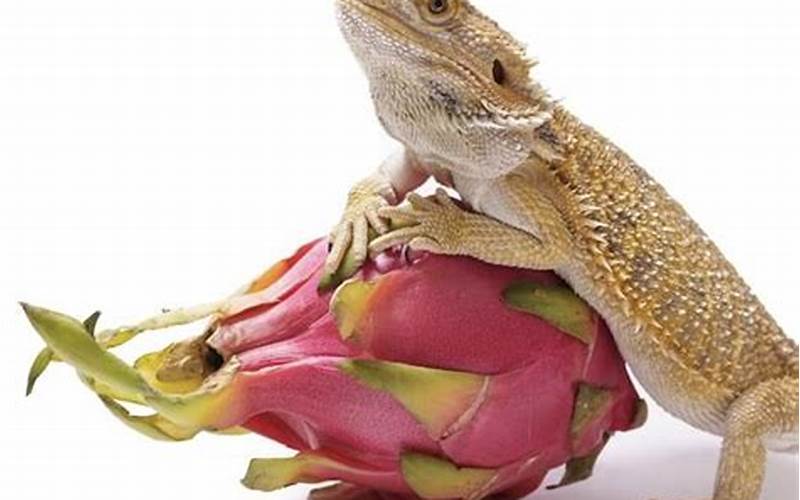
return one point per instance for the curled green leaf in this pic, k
(580, 469)
(71, 342)
(90, 323)
(153, 426)
(38, 367)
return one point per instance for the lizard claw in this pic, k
(424, 224)
(349, 240)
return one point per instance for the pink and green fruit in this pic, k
(422, 377)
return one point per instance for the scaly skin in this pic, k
(551, 193)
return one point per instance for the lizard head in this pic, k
(447, 81)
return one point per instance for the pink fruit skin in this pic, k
(436, 312)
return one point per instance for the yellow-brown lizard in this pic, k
(456, 91)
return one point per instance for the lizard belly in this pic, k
(782, 442)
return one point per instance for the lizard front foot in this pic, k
(350, 238)
(428, 224)
(439, 225)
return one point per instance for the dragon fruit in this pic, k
(421, 377)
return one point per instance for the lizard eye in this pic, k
(439, 11)
(438, 6)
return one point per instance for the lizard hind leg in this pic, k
(764, 412)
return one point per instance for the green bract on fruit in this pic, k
(424, 376)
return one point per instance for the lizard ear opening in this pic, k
(499, 72)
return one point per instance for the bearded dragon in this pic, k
(548, 192)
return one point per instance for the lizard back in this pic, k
(645, 256)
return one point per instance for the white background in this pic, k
(161, 153)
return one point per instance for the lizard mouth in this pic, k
(370, 27)
(373, 14)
